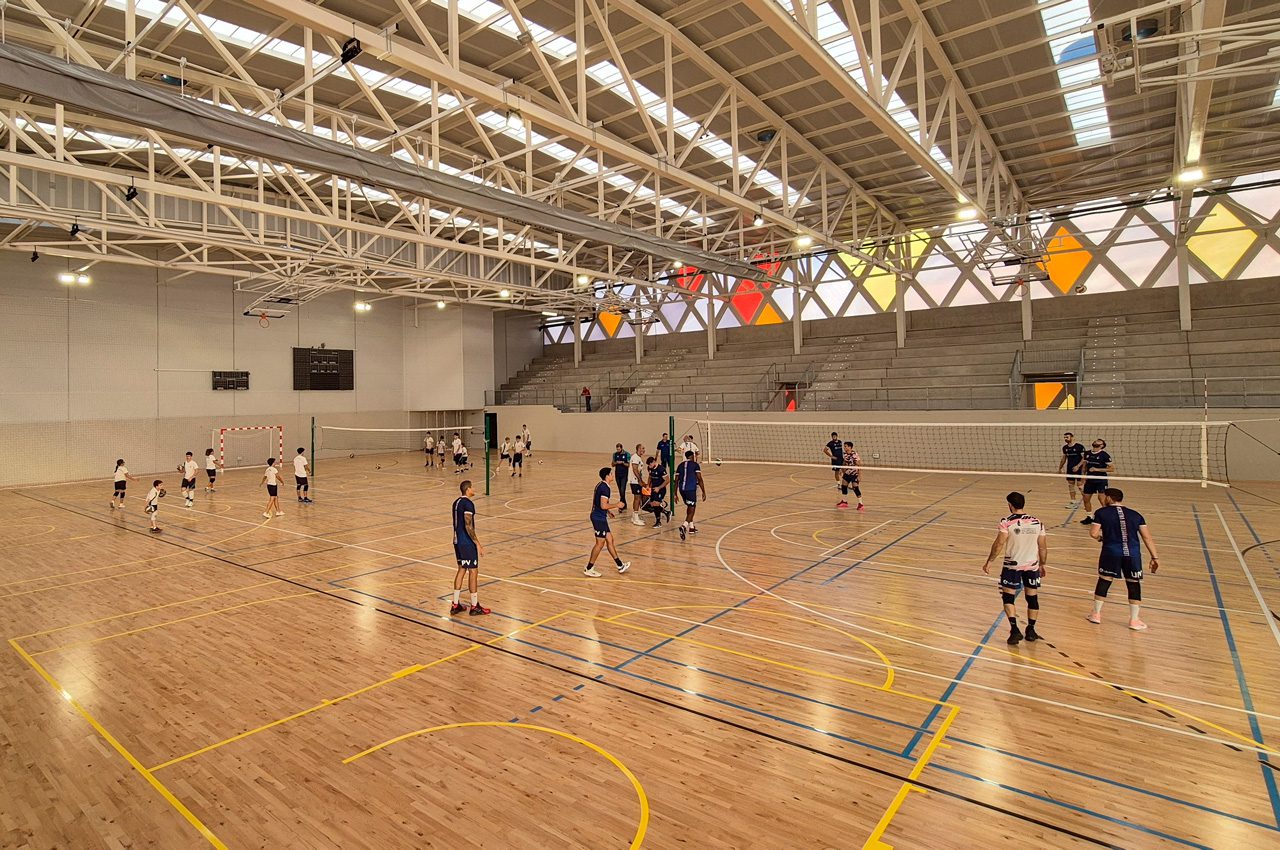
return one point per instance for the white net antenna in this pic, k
(248, 445)
(1186, 452)
(353, 441)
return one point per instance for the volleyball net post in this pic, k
(487, 476)
(313, 447)
(671, 464)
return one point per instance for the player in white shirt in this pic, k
(688, 445)
(121, 483)
(429, 447)
(517, 457)
(152, 506)
(1021, 539)
(271, 477)
(211, 467)
(458, 461)
(639, 475)
(189, 468)
(504, 453)
(466, 458)
(301, 471)
(528, 441)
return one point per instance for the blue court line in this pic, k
(1070, 516)
(1249, 525)
(1268, 777)
(955, 682)
(1073, 807)
(883, 548)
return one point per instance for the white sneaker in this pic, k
(636, 520)
(279, 513)
(266, 516)
(626, 565)
(592, 572)
(1069, 505)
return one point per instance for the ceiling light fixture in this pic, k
(758, 221)
(131, 193)
(351, 49)
(504, 293)
(439, 305)
(363, 306)
(583, 279)
(83, 279)
(967, 213)
(66, 278)
(75, 229)
(550, 314)
(514, 120)
(35, 255)
(804, 240)
(1191, 174)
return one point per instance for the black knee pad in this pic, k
(1007, 597)
(1033, 601)
(857, 491)
(1135, 591)
(1102, 587)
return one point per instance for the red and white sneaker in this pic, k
(457, 608)
(842, 504)
(477, 610)
(1137, 625)
(1094, 617)
(861, 506)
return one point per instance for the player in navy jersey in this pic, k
(658, 491)
(835, 450)
(1096, 466)
(1072, 456)
(621, 469)
(602, 507)
(1123, 532)
(850, 477)
(664, 450)
(1020, 541)
(467, 549)
(688, 482)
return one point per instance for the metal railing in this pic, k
(1221, 392)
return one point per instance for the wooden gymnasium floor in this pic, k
(793, 677)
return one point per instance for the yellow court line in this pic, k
(875, 841)
(137, 631)
(408, 671)
(641, 827)
(119, 748)
(48, 529)
(89, 570)
(99, 578)
(888, 666)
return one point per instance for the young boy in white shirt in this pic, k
(300, 474)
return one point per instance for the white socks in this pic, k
(457, 597)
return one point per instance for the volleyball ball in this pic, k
(162, 492)
(718, 461)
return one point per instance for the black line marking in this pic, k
(1166, 714)
(599, 679)
(1196, 729)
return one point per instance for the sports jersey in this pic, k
(300, 466)
(189, 469)
(506, 447)
(461, 507)
(273, 476)
(1022, 546)
(429, 443)
(657, 477)
(621, 459)
(664, 451)
(637, 469)
(210, 461)
(597, 512)
(122, 473)
(1120, 529)
(1074, 453)
(457, 446)
(837, 451)
(153, 498)
(1096, 463)
(687, 475)
(519, 446)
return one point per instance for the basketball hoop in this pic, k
(263, 321)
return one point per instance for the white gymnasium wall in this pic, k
(449, 357)
(1247, 459)
(516, 342)
(79, 379)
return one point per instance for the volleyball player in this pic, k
(1072, 457)
(1021, 540)
(1123, 532)
(301, 473)
(429, 448)
(271, 477)
(467, 549)
(211, 467)
(152, 506)
(465, 454)
(639, 482)
(850, 477)
(528, 440)
(189, 468)
(657, 491)
(834, 449)
(120, 483)
(602, 505)
(504, 453)
(456, 447)
(688, 445)
(688, 482)
(621, 470)
(1096, 465)
(517, 457)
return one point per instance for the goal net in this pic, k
(1188, 452)
(247, 445)
(353, 441)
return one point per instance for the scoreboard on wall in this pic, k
(324, 369)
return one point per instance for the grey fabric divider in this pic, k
(49, 78)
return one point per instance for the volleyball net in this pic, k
(353, 441)
(1187, 452)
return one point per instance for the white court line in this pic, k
(1266, 612)
(852, 659)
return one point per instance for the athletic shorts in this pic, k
(1127, 567)
(1095, 485)
(300, 480)
(273, 490)
(517, 459)
(635, 489)
(689, 497)
(121, 485)
(188, 484)
(430, 451)
(1074, 476)
(457, 459)
(1012, 578)
(212, 473)
(601, 527)
(837, 462)
(658, 497)
(504, 457)
(468, 557)
(151, 509)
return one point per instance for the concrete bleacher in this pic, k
(1125, 349)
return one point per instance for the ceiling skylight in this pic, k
(1075, 56)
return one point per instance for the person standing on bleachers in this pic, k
(586, 397)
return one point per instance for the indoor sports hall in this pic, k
(534, 424)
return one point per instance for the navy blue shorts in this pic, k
(273, 490)
(1095, 485)
(1127, 567)
(689, 497)
(1013, 579)
(468, 557)
(601, 527)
